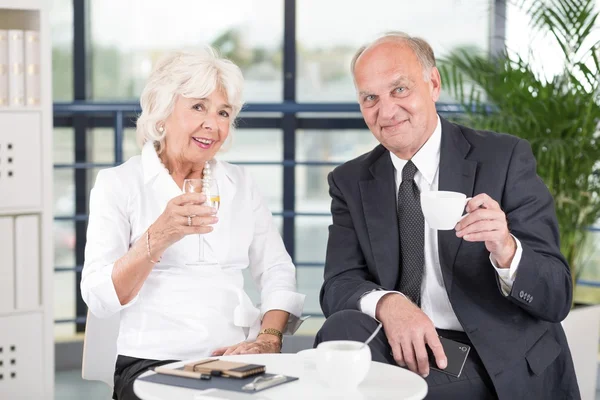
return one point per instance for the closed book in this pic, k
(3, 68)
(16, 68)
(214, 366)
(32, 68)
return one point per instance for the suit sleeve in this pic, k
(347, 277)
(542, 286)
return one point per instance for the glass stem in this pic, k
(200, 248)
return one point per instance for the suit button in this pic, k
(521, 294)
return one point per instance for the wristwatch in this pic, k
(272, 331)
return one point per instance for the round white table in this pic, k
(383, 382)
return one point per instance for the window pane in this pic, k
(64, 243)
(253, 145)
(91, 178)
(310, 280)
(130, 147)
(64, 331)
(64, 184)
(312, 189)
(129, 36)
(323, 61)
(102, 146)
(311, 238)
(256, 145)
(269, 180)
(333, 145)
(64, 192)
(64, 145)
(61, 21)
(541, 51)
(590, 271)
(64, 295)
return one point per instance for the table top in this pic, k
(383, 382)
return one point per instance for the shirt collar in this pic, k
(151, 164)
(427, 159)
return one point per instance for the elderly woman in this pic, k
(143, 233)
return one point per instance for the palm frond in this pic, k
(559, 116)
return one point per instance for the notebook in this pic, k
(216, 367)
(220, 383)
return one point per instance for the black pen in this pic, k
(184, 374)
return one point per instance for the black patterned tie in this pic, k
(412, 234)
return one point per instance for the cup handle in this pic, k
(466, 201)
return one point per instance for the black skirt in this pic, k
(127, 369)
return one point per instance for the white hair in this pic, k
(189, 74)
(421, 48)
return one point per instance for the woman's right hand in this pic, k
(173, 224)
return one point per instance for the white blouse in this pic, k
(184, 312)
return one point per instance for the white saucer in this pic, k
(306, 352)
(308, 357)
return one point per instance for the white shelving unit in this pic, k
(26, 239)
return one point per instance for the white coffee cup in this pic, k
(443, 210)
(343, 364)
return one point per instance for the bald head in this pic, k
(421, 49)
(397, 91)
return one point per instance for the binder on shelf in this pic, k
(7, 265)
(32, 68)
(16, 61)
(3, 68)
(27, 261)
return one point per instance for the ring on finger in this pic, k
(189, 220)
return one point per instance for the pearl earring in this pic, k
(161, 129)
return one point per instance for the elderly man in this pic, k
(497, 282)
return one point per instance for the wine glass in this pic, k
(208, 186)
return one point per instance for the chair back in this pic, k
(100, 348)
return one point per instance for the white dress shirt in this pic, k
(434, 298)
(185, 312)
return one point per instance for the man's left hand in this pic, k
(263, 344)
(486, 222)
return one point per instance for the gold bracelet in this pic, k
(272, 331)
(148, 246)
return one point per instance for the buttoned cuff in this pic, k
(508, 275)
(368, 301)
(287, 301)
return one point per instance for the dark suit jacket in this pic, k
(519, 337)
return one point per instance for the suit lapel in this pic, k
(456, 174)
(378, 197)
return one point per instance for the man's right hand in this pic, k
(408, 329)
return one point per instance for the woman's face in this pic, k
(197, 128)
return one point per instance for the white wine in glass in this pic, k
(209, 188)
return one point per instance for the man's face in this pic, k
(396, 102)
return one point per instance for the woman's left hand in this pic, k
(262, 344)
